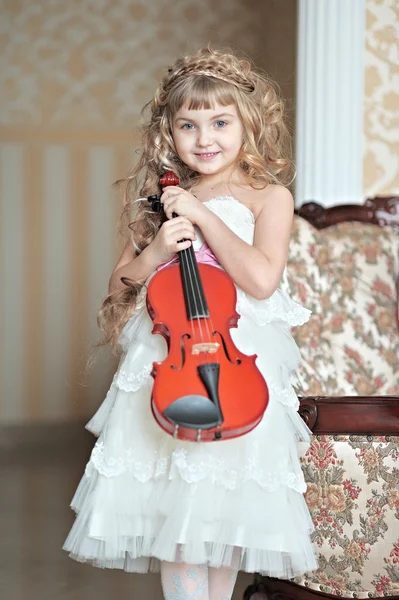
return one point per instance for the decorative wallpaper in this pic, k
(96, 62)
(381, 103)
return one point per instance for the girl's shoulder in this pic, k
(270, 197)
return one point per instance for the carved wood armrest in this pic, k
(378, 211)
(351, 415)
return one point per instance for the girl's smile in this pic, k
(206, 155)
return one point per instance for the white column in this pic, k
(329, 106)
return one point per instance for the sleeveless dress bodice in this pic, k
(240, 219)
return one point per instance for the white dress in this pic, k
(146, 497)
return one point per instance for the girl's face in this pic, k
(208, 140)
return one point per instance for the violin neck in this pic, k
(196, 305)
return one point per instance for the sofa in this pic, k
(343, 265)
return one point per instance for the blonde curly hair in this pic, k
(197, 81)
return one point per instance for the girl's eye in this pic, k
(187, 126)
(221, 123)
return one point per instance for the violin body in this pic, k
(205, 389)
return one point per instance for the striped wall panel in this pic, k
(58, 248)
(13, 353)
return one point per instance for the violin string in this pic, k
(197, 282)
(191, 268)
(207, 323)
(182, 254)
(208, 320)
(182, 258)
(191, 274)
(191, 278)
(190, 264)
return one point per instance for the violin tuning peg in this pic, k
(155, 202)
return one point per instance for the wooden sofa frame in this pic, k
(340, 415)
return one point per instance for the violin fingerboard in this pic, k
(194, 296)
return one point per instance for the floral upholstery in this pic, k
(308, 278)
(353, 497)
(346, 275)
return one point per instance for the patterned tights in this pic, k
(196, 582)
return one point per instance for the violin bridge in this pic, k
(210, 347)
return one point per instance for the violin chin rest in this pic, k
(194, 412)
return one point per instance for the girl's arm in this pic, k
(163, 247)
(256, 269)
(137, 268)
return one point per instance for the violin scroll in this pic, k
(168, 178)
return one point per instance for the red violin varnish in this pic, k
(205, 389)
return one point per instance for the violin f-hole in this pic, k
(182, 352)
(237, 361)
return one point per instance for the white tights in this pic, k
(181, 581)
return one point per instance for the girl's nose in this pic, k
(204, 139)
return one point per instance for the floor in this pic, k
(37, 481)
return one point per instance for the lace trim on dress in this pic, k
(279, 307)
(210, 468)
(131, 382)
(286, 396)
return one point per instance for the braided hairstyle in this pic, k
(201, 80)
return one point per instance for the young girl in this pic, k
(202, 511)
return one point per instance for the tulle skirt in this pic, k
(146, 497)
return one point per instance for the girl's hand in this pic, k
(168, 239)
(179, 201)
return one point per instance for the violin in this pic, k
(205, 389)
